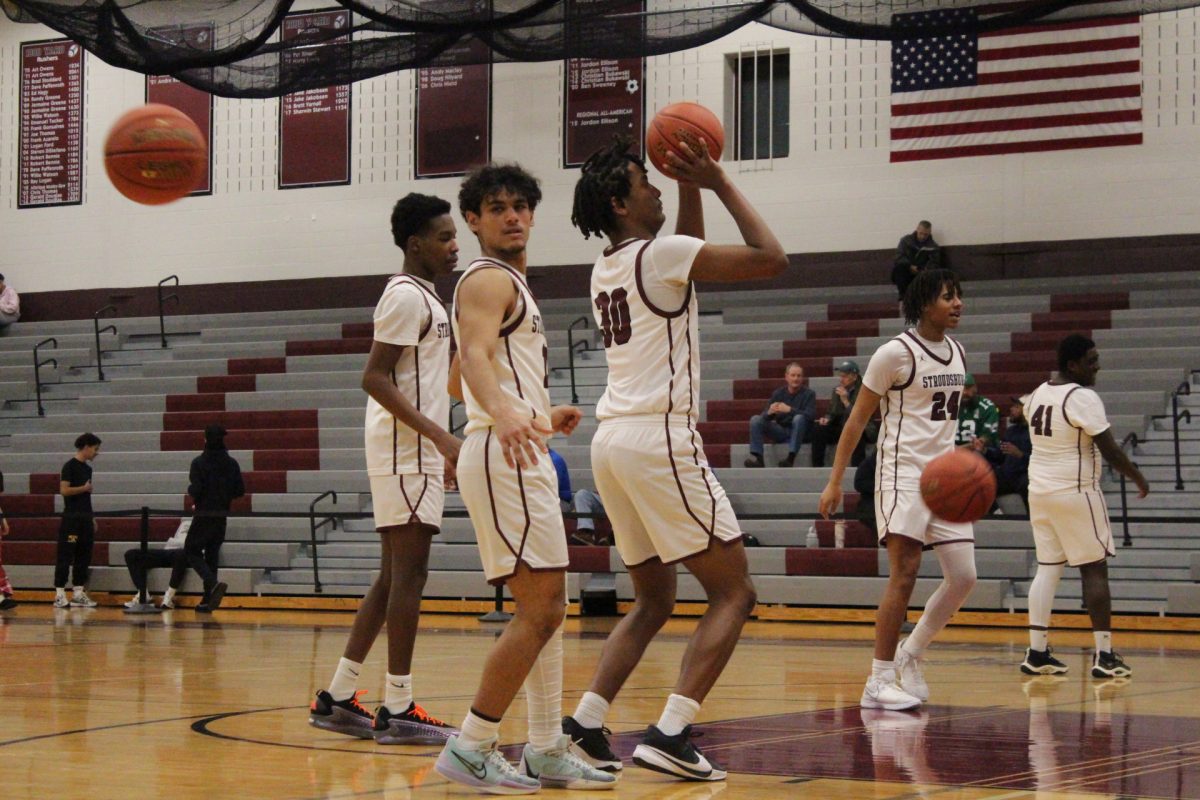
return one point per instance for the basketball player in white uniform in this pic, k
(1070, 432)
(510, 489)
(915, 381)
(648, 460)
(407, 446)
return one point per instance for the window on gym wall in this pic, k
(759, 84)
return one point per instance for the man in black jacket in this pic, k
(917, 251)
(787, 417)
(214, 482)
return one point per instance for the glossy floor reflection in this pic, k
(96, 705)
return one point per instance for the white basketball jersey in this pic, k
(410, 313)
(521, 353)
(1063, 419)
(920, 385)
(645, 306)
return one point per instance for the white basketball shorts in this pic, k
(1070, 528)
(515, 512)
(405, 499)
(658, 491)
(904, 513)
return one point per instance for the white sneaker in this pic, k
(879, 693)
(910, 674)
(61, 601)
(81, 600)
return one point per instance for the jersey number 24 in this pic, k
(614, 316)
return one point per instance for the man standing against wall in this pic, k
(77, 531)
(917, 251)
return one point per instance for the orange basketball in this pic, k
(155, 154)
(958, 486)
(679, 123)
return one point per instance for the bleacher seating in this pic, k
(288, 391)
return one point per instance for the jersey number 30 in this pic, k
(614, 316)
(945, 407)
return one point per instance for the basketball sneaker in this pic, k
(592, 744)
(61, 601)
(879, 693)
(341, 716)
(1110, 665)
(562, 768)
(1040, 662)
(81, 600)
(911, 674)
(414, 726)
(167, 605)
(675, 755)
(8, 603)
(484, 768)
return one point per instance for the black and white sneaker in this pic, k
(591, 744)
(342, 716)
(1041, 662)
(676, 756)
(414, 726)
(1110, 665)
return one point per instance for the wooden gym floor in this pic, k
(96, 705)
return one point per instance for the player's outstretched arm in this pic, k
(485, 298)
(762, 256)
(1117, 459)
(864, 408)
(377, 382)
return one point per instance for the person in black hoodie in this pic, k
(214, 482)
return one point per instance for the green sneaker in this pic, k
(484, 768)
(562, 768)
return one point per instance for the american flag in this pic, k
(1049, 86)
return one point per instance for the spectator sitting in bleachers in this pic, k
(978, 418)
(787, 418)
(171, 555)
(585, 501)
(829, 427)
(10, 305)
(1010, 460)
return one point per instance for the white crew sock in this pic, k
(1103, 641)
(345, 679)
(884, 670)
(958, 579)
(168, 595)
(679, 712)
(543, 695)
(477, 731)
(591, 711)
(398, 693)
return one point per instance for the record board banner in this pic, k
(50, 148)
(454, 111)
(314, 125)
(604, 98)
(197, 104)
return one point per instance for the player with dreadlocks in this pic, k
(647, 457)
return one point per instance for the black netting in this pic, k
(243, 57)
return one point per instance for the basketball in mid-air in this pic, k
(958, 486)
(679, 123)
(155, 154)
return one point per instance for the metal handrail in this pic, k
(99, 330)
(571, 347)
(1184, 387)
(162, 300)
(1127, 540)
(312, 533)
(37, 370)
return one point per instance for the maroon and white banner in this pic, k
(454, 112)
(314, 125)
(50, 150)
(603, 98)
(197, 104)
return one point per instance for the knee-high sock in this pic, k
(1041, 602)
(543, 695)
(958, 578)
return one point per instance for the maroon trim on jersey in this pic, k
(412, 507)
(417, 282)
(637, 271)
(912, 376)
(962, 354)
(944, 362)
(671, 450)
(608, 251)
(487, 263)
(1067, 416)
(946, 541)
(712, 538)
(1079, 459)
(395, 429)
(513, 367)
(1051, 564)
(507, 330)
